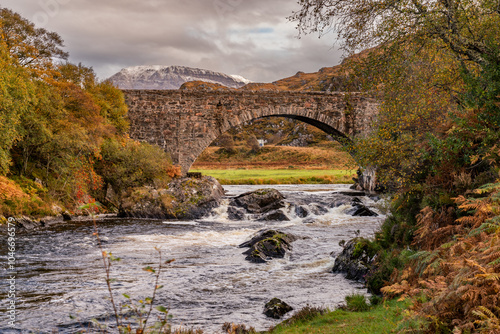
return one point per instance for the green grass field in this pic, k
(279, 176)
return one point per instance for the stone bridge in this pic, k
(185, 122)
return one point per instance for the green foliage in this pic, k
(56, 118)
(356, 303)
(126, 164)
(365, 247)
(16, 93)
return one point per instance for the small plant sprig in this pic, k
(139, 310)
(142, 316)
(92, 208)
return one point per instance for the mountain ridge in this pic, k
(171, 77)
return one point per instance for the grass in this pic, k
(383, 318)
(279, 176)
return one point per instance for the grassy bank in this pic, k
(382, 318)
(326, 157)
(279, 176)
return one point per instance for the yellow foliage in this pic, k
(9, 190)
(174, 171)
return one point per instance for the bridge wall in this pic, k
(184, 123)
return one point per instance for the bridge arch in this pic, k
(185, 123)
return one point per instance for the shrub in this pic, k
(129, 164)
(356, 303)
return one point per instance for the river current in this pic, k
(61, 283)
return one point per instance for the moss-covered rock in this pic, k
(356, 259)
(276, 308)
(184, 198)
(267, 245)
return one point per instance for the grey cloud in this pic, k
(247, 37)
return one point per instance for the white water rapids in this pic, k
(60, 270)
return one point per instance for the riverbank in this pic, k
(381, 318)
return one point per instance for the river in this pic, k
(61, 283)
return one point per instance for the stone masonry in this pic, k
(185, 122)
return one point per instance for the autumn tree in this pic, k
(58, 122)
(32, 47)
(227, 143)
(253, 143)
(468, 28)
(433, 63)
(435, 66)
(16, 93)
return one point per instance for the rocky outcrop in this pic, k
(355, 260)
(360, 210)
(276, 308)
(184, 198)
(25, 224)
(262, 204)
(367, 181)
(259, 201)
(268, 245)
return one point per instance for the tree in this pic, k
(227, 143)
(32, 47)
(253, 143)
(469, 28)
(434, 64)
(16, 95)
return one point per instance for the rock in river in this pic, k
(267, 245)
(259, 201)
(276, 215)
(276, 308)
(184, 198)
(355, 260)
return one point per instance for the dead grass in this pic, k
(276, 157)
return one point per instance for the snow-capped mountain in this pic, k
(171, 77)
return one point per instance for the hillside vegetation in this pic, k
(436, 148)
(63, 133)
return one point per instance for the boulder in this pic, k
(183, 198)
(267, 245)
(235, 213)
(301, 212)
(318, 210)
(276, 215)
(259, 201)
(355, 260)
(276, 308)
(360, 210)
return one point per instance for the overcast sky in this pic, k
(251, 38)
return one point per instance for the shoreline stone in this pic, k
(354, 261)
(276, 308)
(184, 198)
